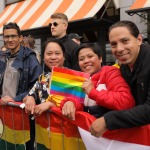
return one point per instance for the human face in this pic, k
(12, 39)
(89, 61)
(53, 55)
(124, 45)
(58, 28)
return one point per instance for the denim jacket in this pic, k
(29, 67)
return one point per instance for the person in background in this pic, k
(126, 44)
(54, 55)
(144, 39)
(58, 27)
(20, 69)
(30, 42)
(76, 38)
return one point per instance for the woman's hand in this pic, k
(30, 104)
(39, 109)
(87, 86)
(69, 110)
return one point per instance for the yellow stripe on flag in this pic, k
(50, 140)
(42, 136)
(15, 136)
(69, 143)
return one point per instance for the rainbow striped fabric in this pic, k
(67, 82)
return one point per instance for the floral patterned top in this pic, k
(40, 90)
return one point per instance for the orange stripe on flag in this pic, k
(86, 7)
(35, 16)
(62, 8)
(138, 4)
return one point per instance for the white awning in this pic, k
(30, 14)
(139, 6)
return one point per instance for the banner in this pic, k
(15, 125)
(137, 138)
(55, 133)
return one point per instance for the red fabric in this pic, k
(57, 124)
(137, 135)
(82, 119)
(14, 117)
(79, 106)
(117, 96)
(71, 72)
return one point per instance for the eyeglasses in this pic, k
(55, 24)
(6, 37)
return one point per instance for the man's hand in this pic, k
(6, 99)
(98, 127)
(29, 105)
(87, 86)
(69, 110)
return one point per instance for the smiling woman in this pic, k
(54, 53)
(106, 90)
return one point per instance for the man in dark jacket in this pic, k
(19, 69)
(126, 44)
(58, 26)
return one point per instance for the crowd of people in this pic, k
(117, 96)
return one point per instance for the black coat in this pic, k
(71, 47)
(139, 81)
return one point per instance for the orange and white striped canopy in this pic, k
(31, 14)
(138, 4)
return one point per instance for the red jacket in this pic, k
(117, 96)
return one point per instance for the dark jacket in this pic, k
(29, 67)
(71, 47)
(139, 81)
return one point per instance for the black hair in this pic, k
(93, 46)
(129, 25)
(54, 40)
(12, 25)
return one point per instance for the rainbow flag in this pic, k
(67, 82)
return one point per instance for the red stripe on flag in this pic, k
(14, 117)
(71, 72)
